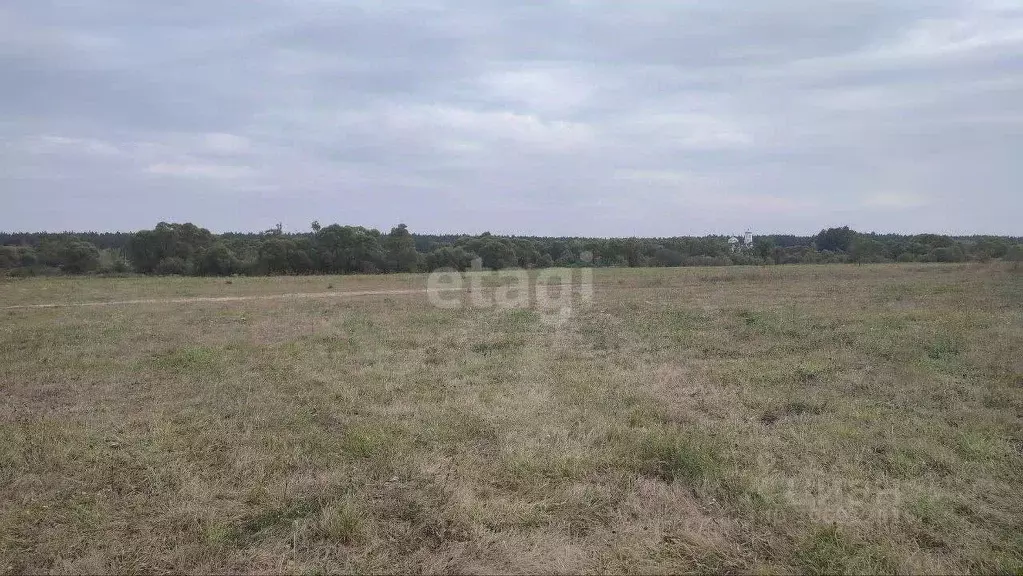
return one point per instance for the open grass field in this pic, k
(774, 420)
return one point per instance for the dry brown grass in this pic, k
(813, 419)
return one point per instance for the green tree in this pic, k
(218, 260)
(763, 247)
(9, 257)
(280, 255)
(668, 257)
(347, 249)
(835, 239)
(866, 250)
(497, 254)
(1014, 254)
(952, 253)
(148, 248)
(987, 248)
(449, 257)
(633, 252)
(401, 250)
(172, 266)
(69, 255)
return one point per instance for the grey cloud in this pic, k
(564, 117)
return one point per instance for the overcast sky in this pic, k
(572, 117)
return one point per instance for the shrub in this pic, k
(172, 266)
(1014, 254)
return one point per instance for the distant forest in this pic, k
(186, 249)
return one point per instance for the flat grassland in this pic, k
(800, 418)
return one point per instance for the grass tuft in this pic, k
(830, 551)
(675, 457)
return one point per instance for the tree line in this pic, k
(186, 249)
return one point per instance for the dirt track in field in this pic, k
(200, 299)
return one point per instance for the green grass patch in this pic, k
(681, 456)
(191, 360)
(829, 551)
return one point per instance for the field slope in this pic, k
(801, 418)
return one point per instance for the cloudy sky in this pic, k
(574, 117)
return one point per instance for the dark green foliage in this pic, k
(835, 239)
(865, 250)
(189, 250)
(17, 257)
(401, 255)
(497, 254)
(280, 255)
(447, 257)
(668, 257)
(218, 260)
(763, 247)
(148, 249)
(69, 254)
(946, 254)
(347, 249)
(172, 266)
